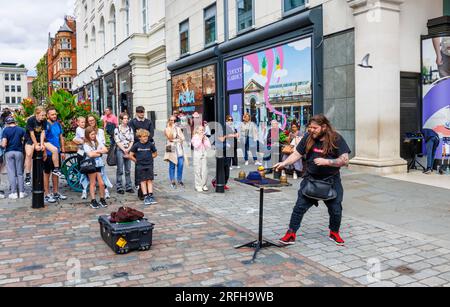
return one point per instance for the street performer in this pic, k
(325, 152)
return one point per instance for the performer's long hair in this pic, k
(329, 135)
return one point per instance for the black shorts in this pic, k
(97, 170)
(48, 164)
(144, 173)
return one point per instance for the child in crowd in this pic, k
(12, 141)
(201, 144)
(80, 132)
(143, 153)
(95, 149)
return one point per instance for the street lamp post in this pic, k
(99, 73)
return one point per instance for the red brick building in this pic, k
(62, 57)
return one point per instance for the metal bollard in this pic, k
(38, 180)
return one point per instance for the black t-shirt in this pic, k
(143, 153)
(145, 124)
(316, 152)
(37, 126)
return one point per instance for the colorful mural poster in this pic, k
(436, 86)
(277, 83)
(187, 92)
(209, 80)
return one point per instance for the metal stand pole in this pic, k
(38, 181)
(260, 243)
(220, 175)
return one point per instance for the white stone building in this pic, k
(248, 40)
(13, 85)
(121, 55)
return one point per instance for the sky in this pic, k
(24, 28)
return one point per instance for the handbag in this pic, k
(319, 189)
(111, 160)
(169, 148)
(88, 165)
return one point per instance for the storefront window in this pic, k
(125, 91)
(210, 25)
(110, 92)
(195, 92)
(272, 84)
(245, 14)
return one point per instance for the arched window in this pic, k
(113, 26)
(126, 12)
(86, 49)
(94, 41)
(101, 33)
(144, 16)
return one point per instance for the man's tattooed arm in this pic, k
(341, 161)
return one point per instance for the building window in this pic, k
(144, 15)
(66, 83)
(13, 100)
(7, 99)
(292, 6)
(18, 78)
(210, 25)
(102, 33)
(19, 99)
(245, 16)
(184, 37)
(127, 17)
(112, 17)
(7, 77)
(19, 89)
(7, 88)
(13, 88)
(65, 44)
(13, 77)
(66, 63)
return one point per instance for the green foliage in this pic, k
(40, 84)
(64, 103)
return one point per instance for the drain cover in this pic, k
(404, 270)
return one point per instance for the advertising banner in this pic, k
(436, 86)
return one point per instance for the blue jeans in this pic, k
(123, 165)
(432, 146)
(179, 168)
(304, 204)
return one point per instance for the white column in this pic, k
(377, 31)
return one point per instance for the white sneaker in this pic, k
(84, 195)
(205, 189)
(199, 190)
(246, 163)
(238, 167)
(295, 176)
(2, 196)
(257, 163)
(13, 196)
(22, 195)
(107, 196)
(231, 168)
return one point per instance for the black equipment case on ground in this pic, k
(126, 237)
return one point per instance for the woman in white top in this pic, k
(124, 138)
(249, 135)
(95, 150)
(175, 152)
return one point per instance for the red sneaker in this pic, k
(213, 183)
(227, 188)
(336, 238)
(289, 238)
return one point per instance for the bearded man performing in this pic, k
(325, 152)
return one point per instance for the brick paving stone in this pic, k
(434, 281)
(403, 280)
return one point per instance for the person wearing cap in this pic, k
(12, 141)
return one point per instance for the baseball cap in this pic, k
(10, 120)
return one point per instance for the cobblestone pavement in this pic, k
(195, 234)
(191, 248)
